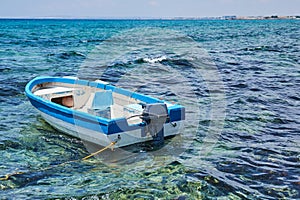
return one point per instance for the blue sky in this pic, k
(146, 8)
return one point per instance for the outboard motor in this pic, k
(155, 116)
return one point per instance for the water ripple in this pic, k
(255, 157)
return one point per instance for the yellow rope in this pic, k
(7, 176)
(97, 152)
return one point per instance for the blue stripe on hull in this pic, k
(81, 119)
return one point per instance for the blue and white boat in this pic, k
(98, 112)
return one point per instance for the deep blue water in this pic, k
(239, 81)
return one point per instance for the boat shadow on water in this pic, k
(134, 153)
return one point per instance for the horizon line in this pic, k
(145, 18)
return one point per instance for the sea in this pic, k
(239, 81)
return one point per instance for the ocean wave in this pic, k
(256, 155)
(155, 60)
(67, 55)
(264, 48)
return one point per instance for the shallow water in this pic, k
(239, 81)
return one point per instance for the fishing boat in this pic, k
(101, 113)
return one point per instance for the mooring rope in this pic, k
(7, 176)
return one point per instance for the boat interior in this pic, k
(92, 100)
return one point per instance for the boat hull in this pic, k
(124, 138)
(93, 128)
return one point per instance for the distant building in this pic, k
(229, 17)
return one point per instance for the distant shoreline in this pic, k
(231, 17)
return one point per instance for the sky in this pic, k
(145, 8)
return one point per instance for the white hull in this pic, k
(100, 113)
(126, 138)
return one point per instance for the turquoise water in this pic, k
(241, 139)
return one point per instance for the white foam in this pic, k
(155, 60)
